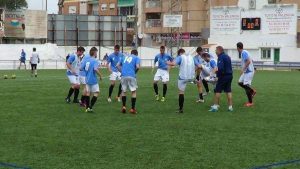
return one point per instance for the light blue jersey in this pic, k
(129, 65)
(245, 57)
(74, 61)
(113, 59)
(198, 59)
(162, 60)
(179, 60)
(90, 66)
(82, 72)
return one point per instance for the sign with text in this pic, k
(172, 21)
(225, 21)
(14, 24)
(280, 20)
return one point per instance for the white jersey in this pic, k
(34, 58)
(186, 67)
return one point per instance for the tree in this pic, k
(13, 4)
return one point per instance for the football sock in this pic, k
(155, 86)
(93, 101)
(70, 92)
(181, 101)
(120, 90)
(249, 95)
(165, 89)
(133, 101)
(200, 96)
(87, 101)
(242, 85)
(124, 101)
(205, 84)
(82, 99)
(111, 89)
(76, 93)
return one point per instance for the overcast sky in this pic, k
(41, 4)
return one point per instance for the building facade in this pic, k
(268, 29)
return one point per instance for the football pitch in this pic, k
(39, 130)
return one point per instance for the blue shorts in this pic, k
(224, 84)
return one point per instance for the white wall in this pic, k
(256, 39)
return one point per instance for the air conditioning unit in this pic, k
(252, 4)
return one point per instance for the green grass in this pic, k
(39, 130)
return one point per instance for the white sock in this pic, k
(230, 107)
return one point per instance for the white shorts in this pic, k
(129, 83)
(246, 78)
(82, 80)
(162, 75)
(115, 76)
(211, 79)
(204, 73)
(182, 84)
(92, 88)
(73, 79)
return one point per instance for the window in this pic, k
(266, 53)
(72, 10)
(272, 1)
(103, 7)
(112, 6)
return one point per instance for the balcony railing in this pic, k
(153, 3)
(150, 23)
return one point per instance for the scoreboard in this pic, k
(251, 23)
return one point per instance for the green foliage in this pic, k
(13, 4)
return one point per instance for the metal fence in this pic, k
(84, 30)
(147, 63)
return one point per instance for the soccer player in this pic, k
(209, 69)
(91, 66)
(82, 78)
(247, 74)
(224, 75)
(34, 60)
(129, 66)
(112, 61)
(73, 65)
(162, 73)
(187, 68)
(199, 60)
(22, 59)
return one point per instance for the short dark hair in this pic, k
(134, 52)
(180, 51)
(220, 48)
(240, 45)
(162, 47)
(93, 50)
(80, 49)
(199, 49)
(117, 47)
(34, 49)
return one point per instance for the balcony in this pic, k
(152, 6)
(153, 26)
(153, 23)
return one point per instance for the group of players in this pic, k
(201, 69)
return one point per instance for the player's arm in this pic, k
(155, 61)
(137, 66)
(69, 66)
(119, 65)
(97, 70)
(247, 63)
(108, 63)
